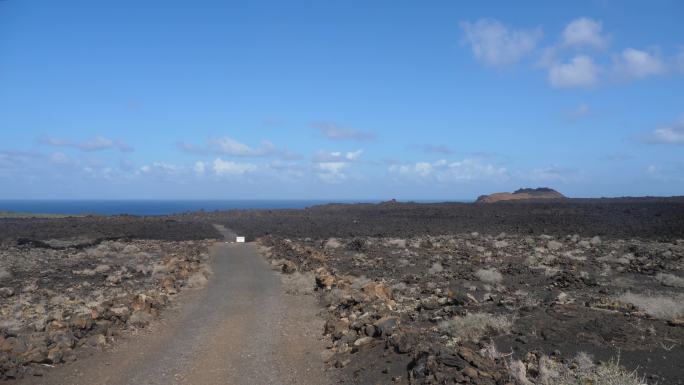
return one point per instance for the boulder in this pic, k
(386, 325)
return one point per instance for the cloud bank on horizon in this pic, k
(582, 97)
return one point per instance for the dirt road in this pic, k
(241, 329)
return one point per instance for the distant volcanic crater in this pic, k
(522, 194)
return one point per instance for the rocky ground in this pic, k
(89, 230)
(470, 308)
(649, 218)
(59, 295)
(571, 292)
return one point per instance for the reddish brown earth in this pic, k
(522, 194)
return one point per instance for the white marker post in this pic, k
(240, 239)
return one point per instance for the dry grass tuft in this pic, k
(670, 280)
(299, 283)
(4, 274)
(396, 242)
(436, 268)
(474, 326)
(662, 307)
(332, 243)
(518, 371)
(491, 276)
(200, 278)
(583, 372)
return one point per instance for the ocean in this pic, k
(150, 207)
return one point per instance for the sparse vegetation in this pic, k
(299, 283)
(436, 268)
(200, 278)
(583, 371)
(491, 276)
(657, 306)
(670, 280)
(332, 243)
(474, 326)
(397, 242)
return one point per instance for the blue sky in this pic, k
(339, 100)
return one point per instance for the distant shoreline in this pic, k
(80, 208)
(151, 207)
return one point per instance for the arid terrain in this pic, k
(577, 291)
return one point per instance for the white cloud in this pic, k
(334, 132)
(59, 158)
(332, 172)
(232, 147)
(435, 149)
(581, 71)
(551, 174)
(450, 171)
(670, 134)
(668, 172)
(161, 168)
(679, 59)
(634, 64)
(227, 168)
(497, 45)
(354, 155)
(584, 32)
(19, 162)
(199, 167)
(330, 166)
(93, 144)
(337, 156)
(578, 112)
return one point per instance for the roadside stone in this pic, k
(386, 325)
(371, 331)
(55, 356)
(460, 298)
(97, 340)
(288, 267)
(595, 241)
(324, 279)
(500, 244)
(336, 328)
(430, 303)
(139, 319)
(37, 354)
(327, 355)
(452, 361)
(169, 284)
(554, 245)
(470, 372)
(676, 322)
(403, 342)
(121, 312)
(378, 290)
(114, 279)
(363, 341)
(81, 322)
